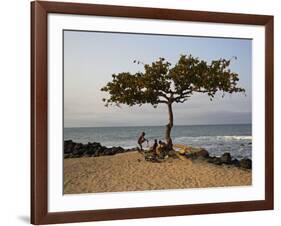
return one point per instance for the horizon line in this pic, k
(157, 125)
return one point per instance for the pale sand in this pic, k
(130, 172)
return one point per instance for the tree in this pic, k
(159, 83)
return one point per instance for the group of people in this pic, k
(158, 147)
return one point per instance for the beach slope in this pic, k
(130, 172)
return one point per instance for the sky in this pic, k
(90, 59)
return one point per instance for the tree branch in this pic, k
(161, 94)
(163, 101)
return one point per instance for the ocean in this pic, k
(217, 139)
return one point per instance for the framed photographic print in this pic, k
(147, 112)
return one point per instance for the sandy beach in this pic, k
(130, 172)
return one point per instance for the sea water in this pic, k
(217, 139)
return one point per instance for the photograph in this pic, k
(149, 112)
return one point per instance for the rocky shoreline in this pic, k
(95, 149)
(225, 158)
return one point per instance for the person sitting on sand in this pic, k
(142, 139)
(160, 148)
(154, 147)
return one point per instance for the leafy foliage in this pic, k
(161, 83)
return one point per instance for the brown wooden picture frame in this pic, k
(39, 112)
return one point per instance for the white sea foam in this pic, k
(226, 138)
(236, 137)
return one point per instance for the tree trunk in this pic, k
(169, 127)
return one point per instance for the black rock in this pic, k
(68, 146)
(96, 154)
(85, 154)
(132, 149)
(74, 150)
(95, 145)
(217, 161)
(66, 156)
(108, 151)
(226, 158)
(76, 156)
(78, 146)
(211, 159)
(202, 153)
(102, 148)
(235, 162)
(78, 149)
(214, 160)
(116, 150)
(91, 152)
(246, 163)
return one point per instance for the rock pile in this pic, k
(76, 150)
(226, 158)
